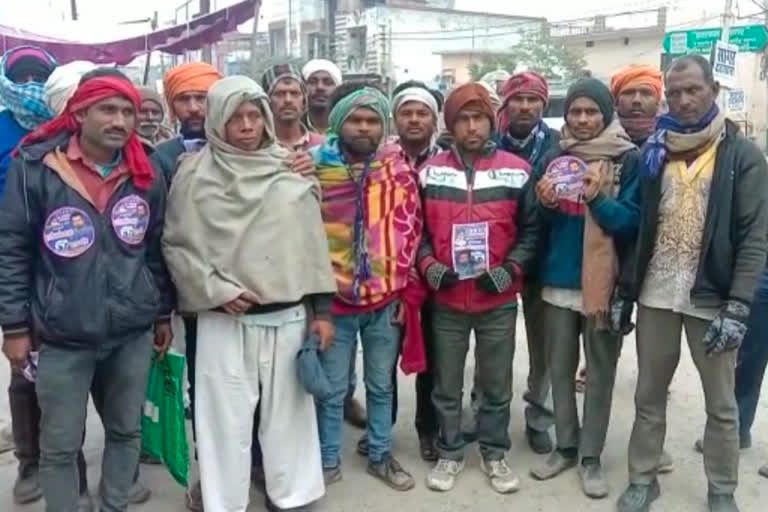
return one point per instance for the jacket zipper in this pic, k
(470, 188)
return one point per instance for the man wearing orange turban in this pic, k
(637, 93)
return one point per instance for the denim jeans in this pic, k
(753, 357)
(65, 377)
(381, 346)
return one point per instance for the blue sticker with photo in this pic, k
(130, 219)
(68, 232)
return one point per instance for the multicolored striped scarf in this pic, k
(372, 215)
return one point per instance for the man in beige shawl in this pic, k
(589, 200)
(247, 251)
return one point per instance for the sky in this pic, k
(100, 17)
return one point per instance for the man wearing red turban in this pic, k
(81, 267)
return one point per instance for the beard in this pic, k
(360, 146)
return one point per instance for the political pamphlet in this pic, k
(470, 249)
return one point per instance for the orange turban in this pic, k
(474, 93)
(634, 76)
(192, 76)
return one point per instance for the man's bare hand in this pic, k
(240, 304)
(592, 179)
(325, 331)
(302, 163)
(545, 191)
(163, 338)
(16, 349)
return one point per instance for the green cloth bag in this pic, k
(163, 424)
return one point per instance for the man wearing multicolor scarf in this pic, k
(480, 239)
(23, 72)
(373, 220)
(700, 250)
(637, 93)
(82, 217)
(523, 132)
(589, 202)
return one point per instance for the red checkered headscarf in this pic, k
(91, 92)
(528, 82)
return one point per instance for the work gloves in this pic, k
(497, 280)
(441, 277)
(727, 330)
(621, 316)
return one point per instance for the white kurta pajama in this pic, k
(236, 355)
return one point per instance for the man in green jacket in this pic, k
(700, 249)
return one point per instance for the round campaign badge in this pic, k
(567, 172)
(130, 219)
(68, 232)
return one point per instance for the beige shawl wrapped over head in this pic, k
(241, 220)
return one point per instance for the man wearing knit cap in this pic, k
(522, 131)
(479, 242)
(637, 93)
(150, 119)
(372, 215)
(589, 202)
(23, 71)
(322, 77)
(700, 251)
(288, 100)
(82, 217)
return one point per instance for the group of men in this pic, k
(280, 219)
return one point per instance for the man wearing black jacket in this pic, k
(700, 249)
(81, 269)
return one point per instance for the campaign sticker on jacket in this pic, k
(567, 172)
(68, 232)
(130, 219)
(470, 249)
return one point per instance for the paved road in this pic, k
(682, 491)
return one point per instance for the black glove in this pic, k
(496, 281)
(727, 330)
(621, 316)
(441, 277)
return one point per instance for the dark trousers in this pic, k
(426, 415)
(753, 358)
(25, 419)
(190, 339)
(494, 351)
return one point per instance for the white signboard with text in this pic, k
(724, 63)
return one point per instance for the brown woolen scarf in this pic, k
(600, 267)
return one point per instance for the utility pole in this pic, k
(255, 41)
(205, 8)
(73, 9)
(727, 21)
(153, 23)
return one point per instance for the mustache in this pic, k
(116, 131)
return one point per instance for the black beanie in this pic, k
(595, 90)
(29, 65)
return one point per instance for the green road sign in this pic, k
(749, 38)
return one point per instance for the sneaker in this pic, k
(443, 475)
(501, 477)
(332, 475)
(391, 473)
(138, 494)
(555, 464)
(427, 448)
(271, 507)
(539, 441)
(194, 498)
(722, 503)
(745, 442)
(27, 488)
(638, 498)
(593, 480)
(85, 503)
(763, 471)
(666, 464)
(354, 413)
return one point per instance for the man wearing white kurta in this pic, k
(247, 250)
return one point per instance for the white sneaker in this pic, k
(443, 475)
(501, 477)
